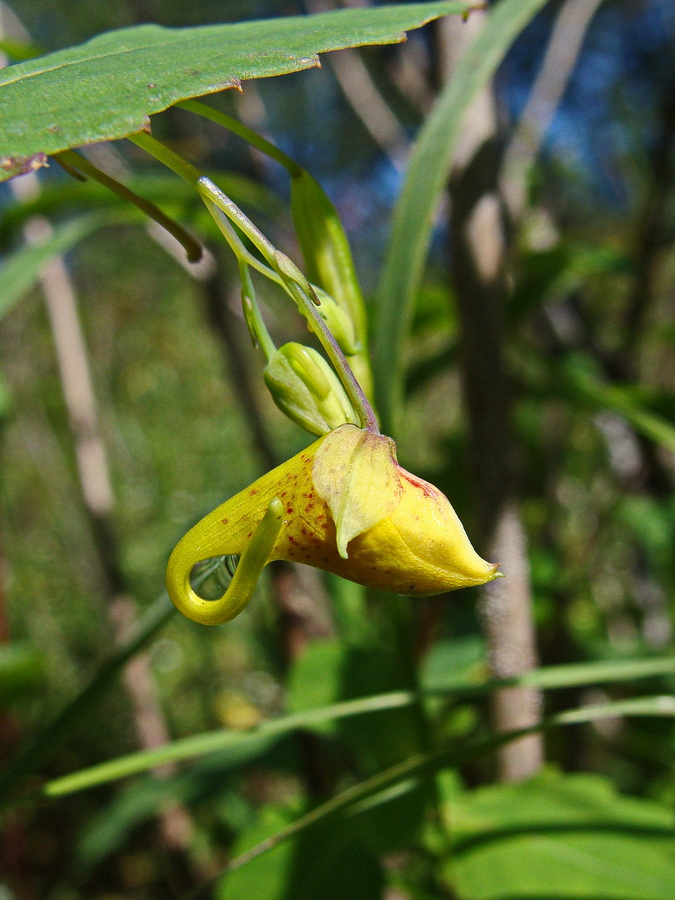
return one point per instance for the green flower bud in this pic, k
(339, 323)
(307, 390)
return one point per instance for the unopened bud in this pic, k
(307, 390)
(339, 323)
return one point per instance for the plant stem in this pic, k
(301, 291)
(250, 136)
(354, 390)
(236, 245)
(292, 279)
(254, 319)
(73, 162)
(548, 678)
(166, 156)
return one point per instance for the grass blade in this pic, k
(51, 737)
(427, 176)
(424, 764)
(266, 733)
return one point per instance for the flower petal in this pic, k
(355, 473)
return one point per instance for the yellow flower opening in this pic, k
(343, 505)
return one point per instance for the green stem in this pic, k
(211, 192)
(251, 137)
(166, 156)
(254, 319)
(295, 283)
(301, 291)
(550, 678)
(355, 392)
(355, 799)
(238, 247)
(75, 163)
(341, 266)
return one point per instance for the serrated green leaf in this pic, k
(107, 87)
(562, 836)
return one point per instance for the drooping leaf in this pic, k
(107, 87)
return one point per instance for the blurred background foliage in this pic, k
(589, 331)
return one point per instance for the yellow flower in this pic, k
(343, 505)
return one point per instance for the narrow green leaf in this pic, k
(22, 269)
(107, 87)
(201, 744)
(603, 672)
(427, 176)
(622, 401)
(561, 677)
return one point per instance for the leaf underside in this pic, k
(107, 87)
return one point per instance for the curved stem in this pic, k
(237, 246)
(166, 156)
(295, 283)
(253, 560)
(211, 192)
(251, 137)
(254, 319)
(301, 291)
(75, 164)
